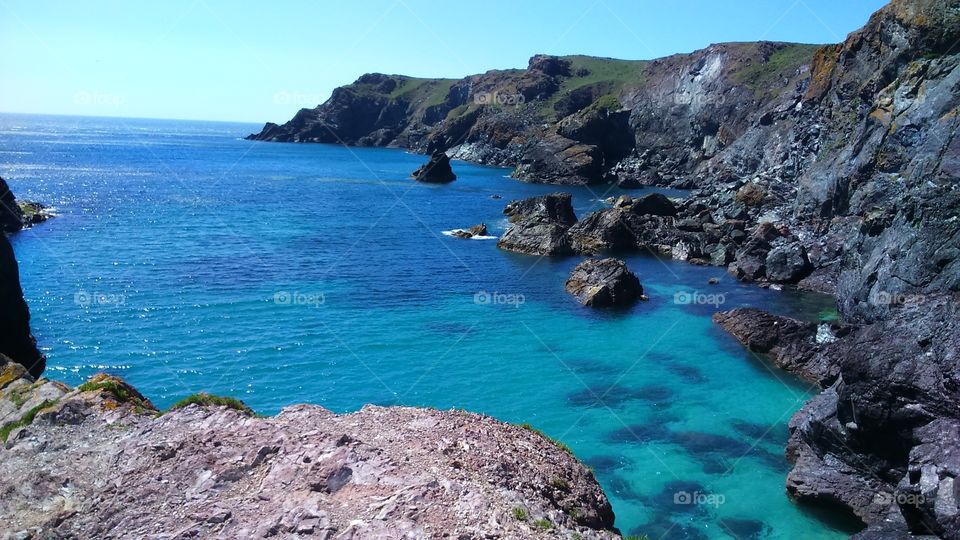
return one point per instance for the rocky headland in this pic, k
(16, 215)
(833, 168)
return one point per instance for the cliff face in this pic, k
(16, 342)
(97, 462)
(567, 120)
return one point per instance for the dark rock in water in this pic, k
(744, 529)
(539, 225)
(476, 230)
(654, 204)
(16, 342)
(605, 230)
(604, 283)
(435, 171)
(788, 264)
(496, 197)
(791, 344)
(640, 433)
(689, 374)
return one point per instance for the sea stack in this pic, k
(435, 171)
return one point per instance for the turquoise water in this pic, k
(186, 259)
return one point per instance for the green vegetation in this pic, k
(207, 400)
(555, 442)
(543, 524)
(560, 484)
(763, 77)
(608, 102)
(25, 420)
(19, 395)
(606, 77)
(519, 514)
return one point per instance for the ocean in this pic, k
(184, 258)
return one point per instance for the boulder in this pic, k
(604, 230)
(788, 263)
(539, 225)
(655, 204)
(435, 171)
(602, 283)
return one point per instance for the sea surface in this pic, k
(185, 259)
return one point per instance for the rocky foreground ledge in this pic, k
(99, 461)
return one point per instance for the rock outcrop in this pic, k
(16, 342)
(604, 283)
(792, 345)
(16, 215)
(477, 230)
(435, 171)
(539, 225)
(98, 462)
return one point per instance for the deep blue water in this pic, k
(186, 259)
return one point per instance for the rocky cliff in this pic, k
(99, 461)
(833, 167)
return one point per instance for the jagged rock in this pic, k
(436, 171)
(604, 230)
(476, 230)
(98, 462)
(788, 263)
(789, 343)
(602, 283)
(16, 342)
(539, 225)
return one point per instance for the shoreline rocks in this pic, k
(218, 471)
(604, 283)
(17, 215)
(539, 225)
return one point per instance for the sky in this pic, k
(259, 61)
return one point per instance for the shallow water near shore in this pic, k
(186, 259)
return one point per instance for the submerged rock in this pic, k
(435, 171)
(602, 283)
(539, 225)
(208, 470)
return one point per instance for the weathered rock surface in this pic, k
(16, 342)
(96, 462)
(539, 225)
(603, 283)
(791, 344)
(435, 171)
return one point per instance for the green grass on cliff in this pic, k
(763, 78)
(25, 420)
(208, 400)
(430, 91)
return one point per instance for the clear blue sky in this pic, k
(263, 60)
